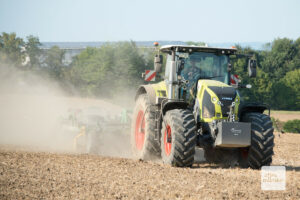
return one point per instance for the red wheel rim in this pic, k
(139, 130)
(168, 140)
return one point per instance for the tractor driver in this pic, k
(192, 71)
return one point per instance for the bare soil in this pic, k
(284, 117)
(39, 175)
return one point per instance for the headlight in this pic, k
(219, 102)
(237, 100)
(214, 99)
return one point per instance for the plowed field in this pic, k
(30, 174)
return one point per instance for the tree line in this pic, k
(278, 74)
(114, 68)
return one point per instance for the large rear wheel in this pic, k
(262, 141)
(178, 138)
(143, 143)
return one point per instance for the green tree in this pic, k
(33, 51)
(279, 60)
(292, 81)
(277, 63)
(54, 62)
(277, 75)
(129, 64)
(108, 70)
(91, 70)
(11, 48)
(282, 96)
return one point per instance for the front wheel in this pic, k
(262, 141)
(178, 138)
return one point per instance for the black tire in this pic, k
(262, 142)
(179, 150)
(144, 112)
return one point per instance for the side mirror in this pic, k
(252, 68)
(158, 60)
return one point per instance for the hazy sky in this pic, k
(141, 20)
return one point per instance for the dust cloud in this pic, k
(33, 110)
(30, 110)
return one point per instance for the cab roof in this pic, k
(192, 48)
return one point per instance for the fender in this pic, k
(153, 91)
(168, 105)
(146, 89)
(252, 107)
(173, 104)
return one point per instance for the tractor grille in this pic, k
(225, 107)
(226, 95)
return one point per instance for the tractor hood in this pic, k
(215, 99)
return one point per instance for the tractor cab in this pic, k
(196, 62)
(187, 65)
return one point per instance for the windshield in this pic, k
(200, 65)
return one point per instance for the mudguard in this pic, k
(146, 89)
(245, 107)
(170, 105)
(153, 91)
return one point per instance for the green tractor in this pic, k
(196, 105)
